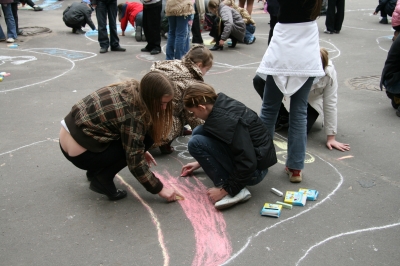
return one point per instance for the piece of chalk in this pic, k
(285, 205)
(179, 197)
(276, 192)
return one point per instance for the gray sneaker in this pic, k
(138, 33)
(229, 201)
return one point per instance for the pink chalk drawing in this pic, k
(212, 242)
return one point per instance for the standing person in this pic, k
(114, 127)
(179, 14)
(131, 12)
(396, 20)
(9, 18)
(289, 70)
(391, 75)
(233, 146)
(273, 10)
(152, 25)
(193, 66)
(249, 5)
(386, 7)
(322, 101)
(334, 16)
(77, 15)
(198, 21)
(228, 24)
(106, 8)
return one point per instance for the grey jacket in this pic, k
(233, 23)
(78, 12)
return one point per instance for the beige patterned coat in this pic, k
(183, 73)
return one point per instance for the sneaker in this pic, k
(37, 8)
(145, 50)
(2, 40)
(118, 49)
(10, 40)
(295, 176)
(229, 201)
(103, 50)
(155, 51)
(138, 33)
(336, 31)
(327, 31)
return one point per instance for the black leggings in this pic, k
(103, 165)
(312, 114)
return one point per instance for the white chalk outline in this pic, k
(28, 145)
(62, 74)
(345, 234)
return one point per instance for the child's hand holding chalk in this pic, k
(189, 168)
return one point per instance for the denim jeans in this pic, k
(178, 37)
(297, 135)
(250, 29)
(8, 16)
(2, 36)
(104, 8)
(215, 157)
(139, 19)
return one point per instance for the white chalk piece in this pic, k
(276, 192)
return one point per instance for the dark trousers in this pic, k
(334, 15)
(103, 166)
(312, 114)
(107, 8)
(272, 23)
(14, 9)
(152, 25)
(196, 31)
(78, 25)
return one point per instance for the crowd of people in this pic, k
(117, 125)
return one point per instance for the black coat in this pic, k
(240, 127)
(391, 70)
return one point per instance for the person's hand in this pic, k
(216, 194)
(221, 42)
(332, 143)
(189, 168)
(149, 158)
(170, 194)
(375, 13)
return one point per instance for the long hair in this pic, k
(200, 54)
(324, 57)
(199, 93)
(153, 86)
(213, 5)
(316, 10)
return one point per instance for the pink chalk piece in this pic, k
(345, 157)
(212, 242)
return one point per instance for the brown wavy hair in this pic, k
(324, 57)
(199, 93)
(316, 10)
(153, 86)
(200, 54)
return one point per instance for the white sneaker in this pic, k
(10, 40)
(229, 201)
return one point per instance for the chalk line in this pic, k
(153, 217)
(345, 234)
(27, 146)
(249, 239)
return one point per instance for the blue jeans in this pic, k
(139, 19)
(178, 37)
(250, 29)
(297, 135)
(8, 16)
(215, 157)
(104, 8)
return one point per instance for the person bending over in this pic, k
(114, 127)
(77, 15)
(233, 146)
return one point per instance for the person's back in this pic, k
(77, 15)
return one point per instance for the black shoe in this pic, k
(166, 149)
(116, 195)
(19, 32)
(80, 31)
(103, 50)
(118, 49)
(216, 48)
(233, 45)
(145, 50)
(328, 31)
(336, 31)
(383, 21)
(155, 51)
(37, 8)
(138, 34)
(74, 30)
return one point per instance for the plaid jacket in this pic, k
(109, 114)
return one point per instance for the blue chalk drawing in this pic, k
(95, 32)
(64, 53)
(51, 4)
